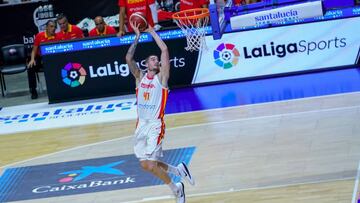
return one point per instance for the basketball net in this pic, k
(193, 24)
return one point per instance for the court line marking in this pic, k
(268, 116)
(232, 190)
(186, 126)
(354, 200)
(332, 96)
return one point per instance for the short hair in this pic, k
(147, 58)
(60, 16)
(100, 17)
(50, 21)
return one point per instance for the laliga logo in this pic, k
(73, 74)
(226, 55)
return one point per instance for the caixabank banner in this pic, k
(83, 176)
(280, 50)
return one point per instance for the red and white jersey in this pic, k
(151, 98)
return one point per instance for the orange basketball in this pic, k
(139, 18)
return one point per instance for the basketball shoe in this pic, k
(185, 173)
(180, 196)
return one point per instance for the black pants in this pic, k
(32, 73)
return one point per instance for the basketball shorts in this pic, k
(148, 139)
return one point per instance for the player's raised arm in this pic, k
(165, 61)
(130, 56)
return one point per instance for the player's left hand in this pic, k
(135, 27)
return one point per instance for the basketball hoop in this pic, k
(192, 23)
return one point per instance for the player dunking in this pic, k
(151, 94)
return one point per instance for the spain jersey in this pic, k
(108, 30)
(151, 98)
(42, 37)
(191, 4)
(73, 32)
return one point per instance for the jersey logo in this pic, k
(143, 85)
(146, 96)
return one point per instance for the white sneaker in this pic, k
(180, 196)
(185, 173)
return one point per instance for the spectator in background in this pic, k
(68, 31)
(252, 1)
(244, 2)
(191, 4)
(128, 7)
(35, 63)
(101, 28)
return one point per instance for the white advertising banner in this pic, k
(279, 50)
(43, 116)
(286, 13)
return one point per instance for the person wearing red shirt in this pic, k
(101, 28)
(191, 4)
(242, 2)
(68, 31)
(128, 7)
(35, 63)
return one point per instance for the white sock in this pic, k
(173, 187)
(173, 170)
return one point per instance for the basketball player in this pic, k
(151, 93)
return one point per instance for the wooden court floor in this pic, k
(304, 150)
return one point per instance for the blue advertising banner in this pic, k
(83, 176)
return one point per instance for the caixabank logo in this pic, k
(226, 55)
(73, 74)
(83, 176)
(88, 177)
(85, 171)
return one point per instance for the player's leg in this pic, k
(154, 168)
(180, 170)
(169, 168)
(148, 150)
(32, 81)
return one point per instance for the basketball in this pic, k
(139, 18)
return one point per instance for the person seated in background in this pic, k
(191, 4)
(68, 31)
(244, 2)
(35, 63)
(128, 7)
(101, 28)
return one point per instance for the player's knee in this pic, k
(148, 165)
(143, 165)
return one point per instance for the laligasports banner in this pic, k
(90, 72)
(280, 50)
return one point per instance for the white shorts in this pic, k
(148, 139)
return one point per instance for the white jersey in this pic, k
(151, 98)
